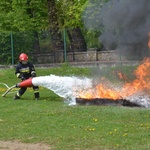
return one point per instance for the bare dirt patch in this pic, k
(16, 145)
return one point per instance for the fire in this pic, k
(100, 91)
(122, 76)
(149, 40)
(139, 84)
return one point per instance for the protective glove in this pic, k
(33, 75)
(22, 78)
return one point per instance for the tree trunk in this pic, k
(77, 39)
(36, 43)
(57, 41)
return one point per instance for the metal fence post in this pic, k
(65, 53)
(12, 48)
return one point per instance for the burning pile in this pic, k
(106, 102)
(102, 94)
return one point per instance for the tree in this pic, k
(19, 15)
(31, 15)
(57, 42)
(38, 16)
(24, 19)
(70, 18)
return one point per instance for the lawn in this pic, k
(52, 121)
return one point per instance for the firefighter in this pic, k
(25, 70)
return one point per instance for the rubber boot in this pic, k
(16, 97)
(36, 95)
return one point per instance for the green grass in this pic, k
(64, 127)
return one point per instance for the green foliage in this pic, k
(28, 16)
(70, 12)
(91, 37)
(5, 48)
(22, 42)
(22, 15)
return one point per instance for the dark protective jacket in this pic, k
(25, 71)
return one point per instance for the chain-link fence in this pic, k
(38, 44)
(67, 45)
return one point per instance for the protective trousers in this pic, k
(23, 89)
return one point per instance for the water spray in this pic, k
(70, 89)
(66, 87)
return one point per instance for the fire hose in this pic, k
(25, 83)
(8, 90)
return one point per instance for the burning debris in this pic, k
(104, 95)
(106, 102)
(139, 84)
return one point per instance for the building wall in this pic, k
(90, 55)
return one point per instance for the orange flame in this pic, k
(149, 40)
(100, 91)
(140, 84)
(122, 76)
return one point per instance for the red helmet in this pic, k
(23, 57)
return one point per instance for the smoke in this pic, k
(124, 24)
